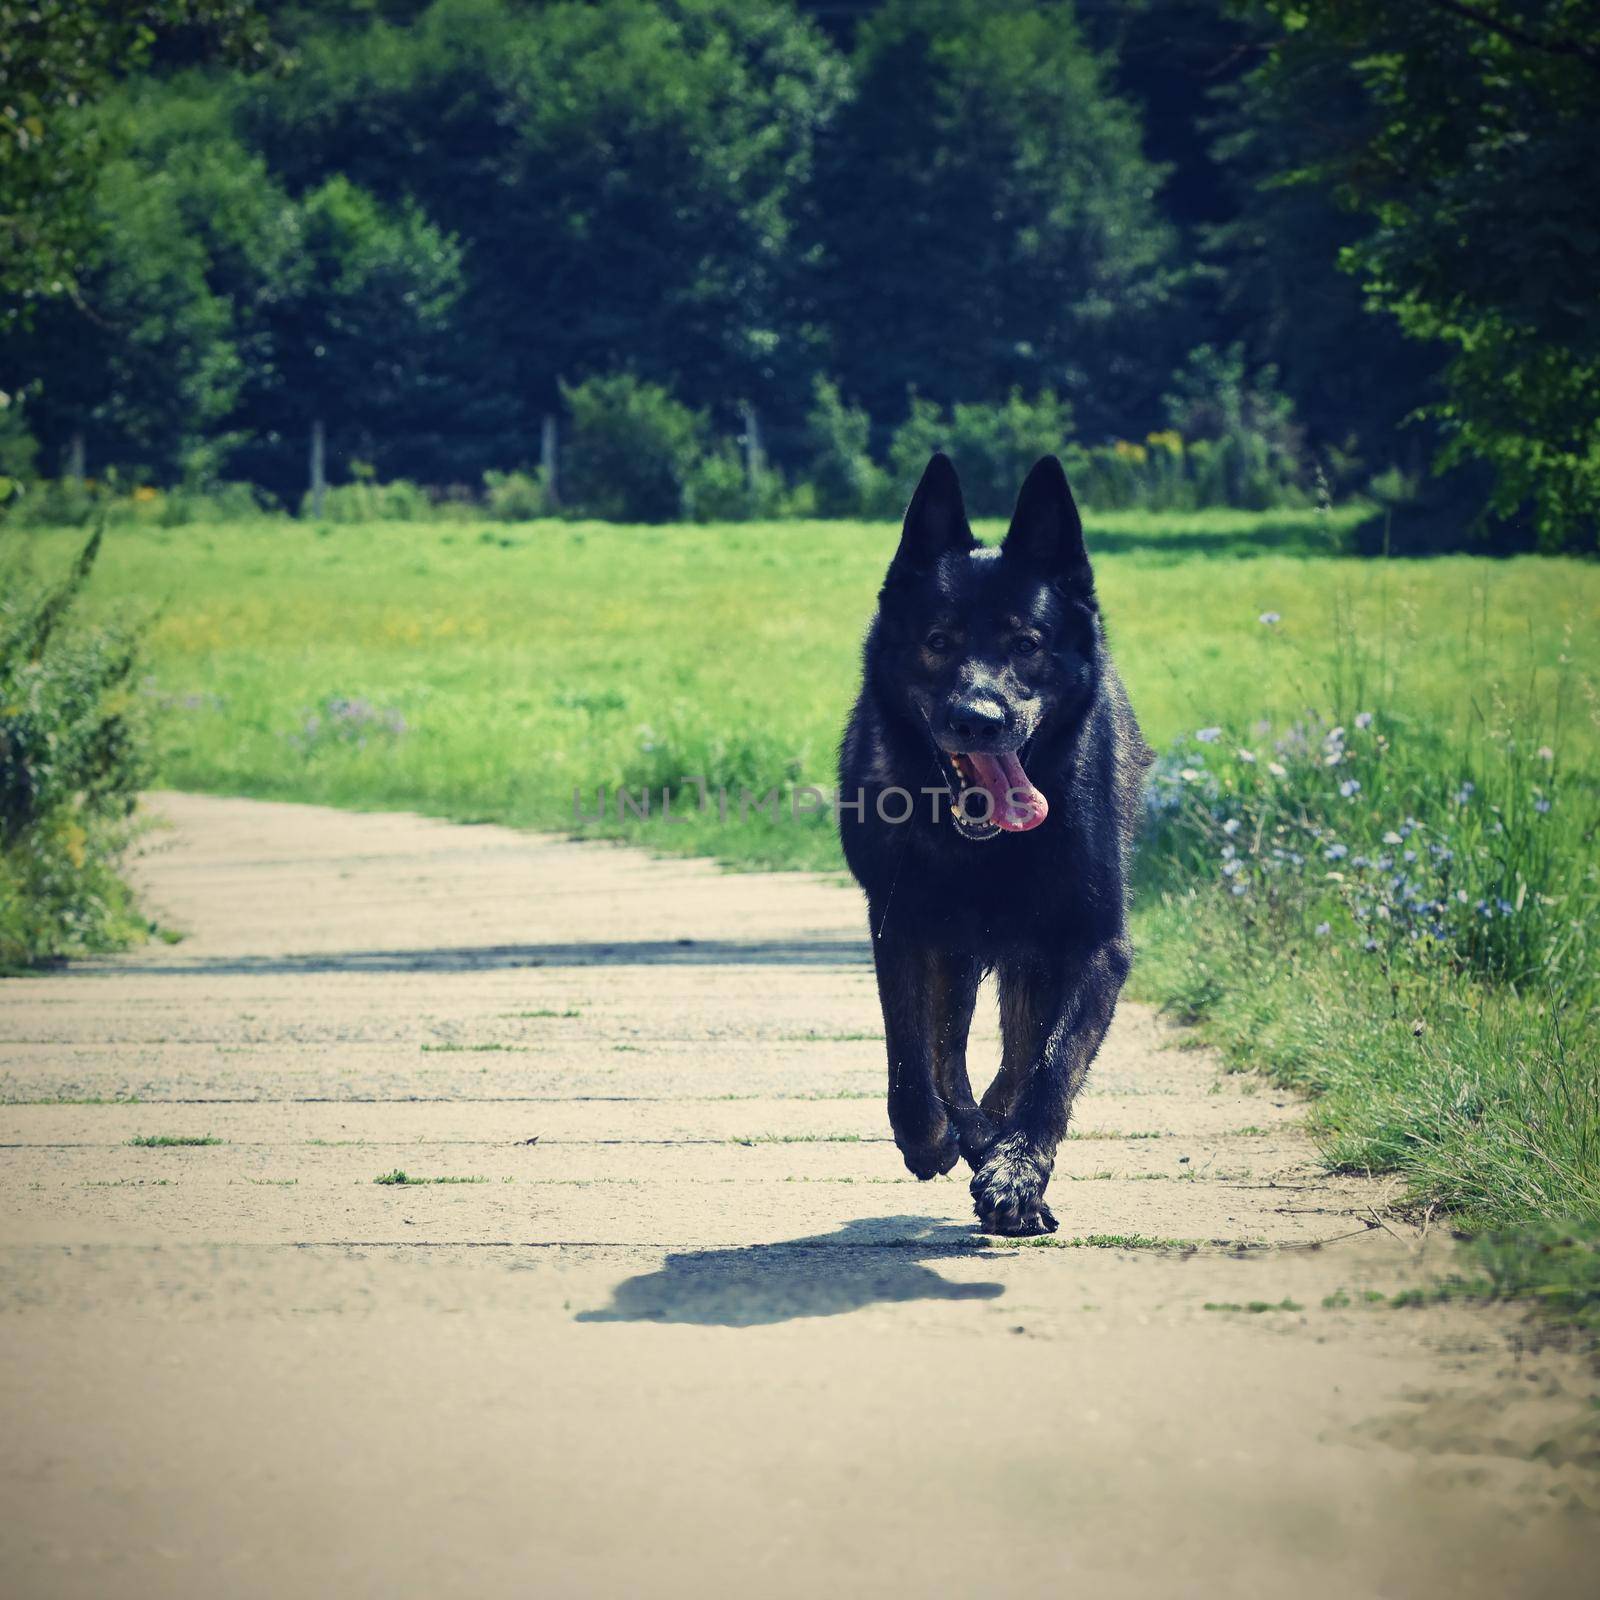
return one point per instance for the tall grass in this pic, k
(1401, 916)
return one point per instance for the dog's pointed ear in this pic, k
(1047, 532)
(936, 519)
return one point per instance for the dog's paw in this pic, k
(931, 1158)
(1008, 1191)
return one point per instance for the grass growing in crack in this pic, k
(471, 1049)
(398, 1177)
(1340, 1298)
(814, 1094)
(799, 1138)
(77, 1100)
(815, 1036)
(171, 1141)
(1098, 1241)
(1255, 1307)
(1074, 1134)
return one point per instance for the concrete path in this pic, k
(667, 1316)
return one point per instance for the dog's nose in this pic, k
(972, 720)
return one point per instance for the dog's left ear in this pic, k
(1047, 532)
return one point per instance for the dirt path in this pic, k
(683, 1324)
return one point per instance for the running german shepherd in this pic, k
(989, 702)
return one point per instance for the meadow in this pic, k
(1371, 867)
(485, 673)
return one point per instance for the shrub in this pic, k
(19, 451)
(1253, 455)
(71, 503)
(399, 501)
(632, 450)
(845, 479)
(516, 496)
(718, 489)
(210, 502)
(72, 759)
(715, 489)
(1125, 475)
(992, 445)
(55, 503)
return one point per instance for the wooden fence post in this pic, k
(547, 461)
(319, 467)
(755, 464)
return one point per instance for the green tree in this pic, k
(56, 57)
(144, 361)
(1280, 293)
(1472, 165)
(987, 217)
(353, 339)
(221, 316)
(1267, 276)
(633, 448)
(623, 175)
(839, 464)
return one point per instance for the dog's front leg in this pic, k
(927, 1005)
(1053, 1020)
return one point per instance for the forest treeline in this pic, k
(1352, 244)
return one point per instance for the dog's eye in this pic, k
(937, 641)
(1026, 645)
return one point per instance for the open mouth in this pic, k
(1013, 805)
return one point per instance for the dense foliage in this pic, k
(57, 56)
(72, 758)
(1471, 162)
(432, 223)
(984, 208)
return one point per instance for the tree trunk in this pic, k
(77, 457)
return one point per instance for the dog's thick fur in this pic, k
(999, 652)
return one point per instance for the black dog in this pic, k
(998, 766)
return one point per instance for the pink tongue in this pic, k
(1020, 809)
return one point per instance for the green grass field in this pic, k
(524, 662)
(484, 672)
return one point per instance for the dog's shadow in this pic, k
(871, 1261)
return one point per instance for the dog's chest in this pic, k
(1000, 891)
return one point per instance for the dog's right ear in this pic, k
(936, 520)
